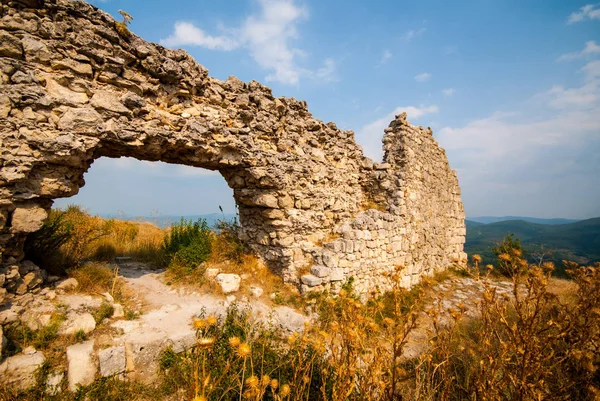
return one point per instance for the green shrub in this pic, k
(43, 246)
(188, 243)
(105, 311)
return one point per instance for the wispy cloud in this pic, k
(590, 11)
(423, 77)
(499, 158)
(385, 57)
(328, 71)
(267, 35)
(370, 135)
(410, 35)
(449, 91)
(591, 49)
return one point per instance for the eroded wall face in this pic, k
(74, 87)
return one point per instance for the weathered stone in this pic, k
(228, 282)
(118, 311)
(82, 366)
(84, 120)
(112, 361)
(28, 219)
(67, 284)
(10, 46)
(108, 101)
(212, 272)
(64, 94)
(311, 280)
(76, 322)
(19, 370)
(320, 271)
(289, 319)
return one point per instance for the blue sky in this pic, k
(510, 88)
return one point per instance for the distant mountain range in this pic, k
(165, 221)
(578, 241)
(495, 219)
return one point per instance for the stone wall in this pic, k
(74, 87)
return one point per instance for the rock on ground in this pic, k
(77, 321)
(82, 367)
(19, 370)
(112, 361)
(228, 282)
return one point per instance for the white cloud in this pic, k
(527, 162)
(371, 134)
(186, 34)
(385, 57)
(591, 48)
(327, 73)
(590, 11)
(449, 91)
(423, 77)
(410, 35)
(268, 36)
(155, 169)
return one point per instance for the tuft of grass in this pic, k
(105, 311)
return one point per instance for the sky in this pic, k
(511, 89)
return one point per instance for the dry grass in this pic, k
(99, 278)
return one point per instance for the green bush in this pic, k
(188, 243)
(43, 246)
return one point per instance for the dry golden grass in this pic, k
(100, 278)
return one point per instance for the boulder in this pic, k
(320, 271)
(228, 282)
(68, 284)
(310, 280)
(289, 319)
(112, 361)
(77, 321)
(82, 367)
(28, 219)
(19, 370)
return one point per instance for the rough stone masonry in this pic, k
(74, 87)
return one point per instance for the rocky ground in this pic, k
(131, 342)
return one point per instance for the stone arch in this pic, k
(74, 88)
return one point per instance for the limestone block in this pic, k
(28, 219)
(84, 120)
(77, 321)
(289, 319)
(104, 100)
(320, 271)
(19, 370)
(82, 366)
(112, 361)
(67, 284)
(311, 280)
(228, 282)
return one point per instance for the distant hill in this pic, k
(165, 221)
(579, 241)
(496, 219)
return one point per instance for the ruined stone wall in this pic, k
(74, 88)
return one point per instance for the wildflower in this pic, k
(274, 384)
(388, 322)
(342, 294)
(265, 380)
(285, 390)
(476, 258)
(200, 398)
(205, 342)
(243, 350)
(504, 257)
(234, 342)
(211, 320)
(252, 381)
(199, 323)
